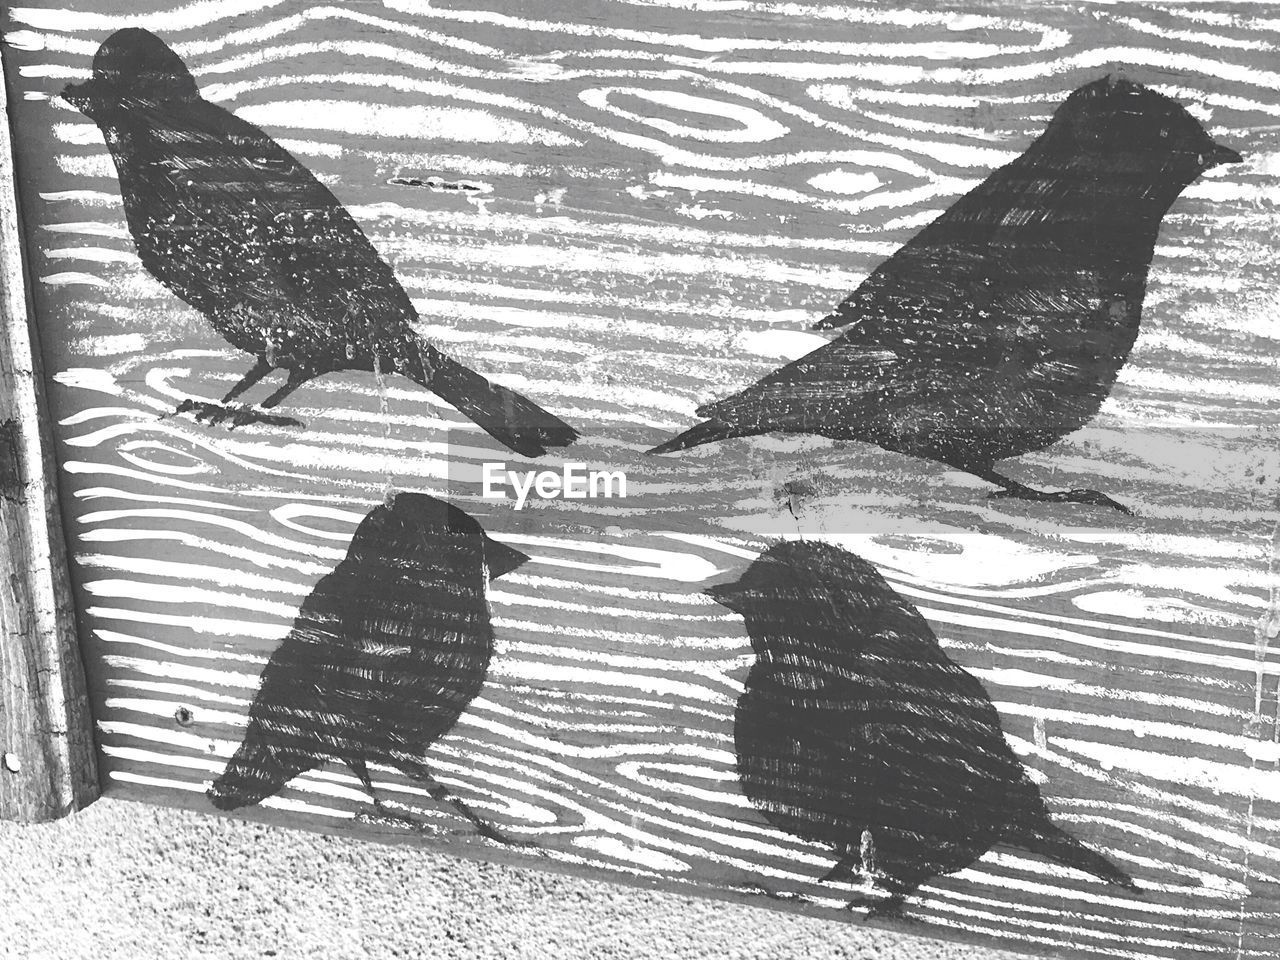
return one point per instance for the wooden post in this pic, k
(47, 766)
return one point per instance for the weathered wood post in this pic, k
(47, 766)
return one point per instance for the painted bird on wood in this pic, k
(858, 732)
(229, 221)
(1001, 327)
(384, 656)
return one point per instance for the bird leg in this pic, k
(867, 853)
(890, 906)
(852, 863)
(259, 370)
(846, 868)
(760, 890)
(862, 862)
(361, 770)
(297, 377)
(850, 867)
(1012, 488)
(237, 415)
(418, 770)
(879, 907)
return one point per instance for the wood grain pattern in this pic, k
(626, 210)
(48, 766)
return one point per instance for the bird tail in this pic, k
(1054, 843)
(256, 772)
(708, 431)
(510, 418)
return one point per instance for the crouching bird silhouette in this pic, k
(858, 732)
(231, 223)
(1001, 327)
(384, 656)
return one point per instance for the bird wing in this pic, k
(936, 719)
(846, 382)
(934, 267)
(293, 247)
(925, 346)
(920, 278)
(912, 736)
(916, 326)
(349, 672)
(827, 758)
(293, 685)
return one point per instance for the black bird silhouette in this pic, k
(384, 656)
(857, 731)
(1000, 327)
(229, 221)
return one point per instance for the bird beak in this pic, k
(501, 559)
(1220, 155)
(77, 94)
(724, 594)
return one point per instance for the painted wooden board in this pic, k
(624, 211)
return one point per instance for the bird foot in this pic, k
(763, 891)
(385, 814)
(497, 836)
(233, 414)
(364, 816)
(383, 817)
(878, 907)
(1091, 497)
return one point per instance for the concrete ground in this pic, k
(129, 881)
